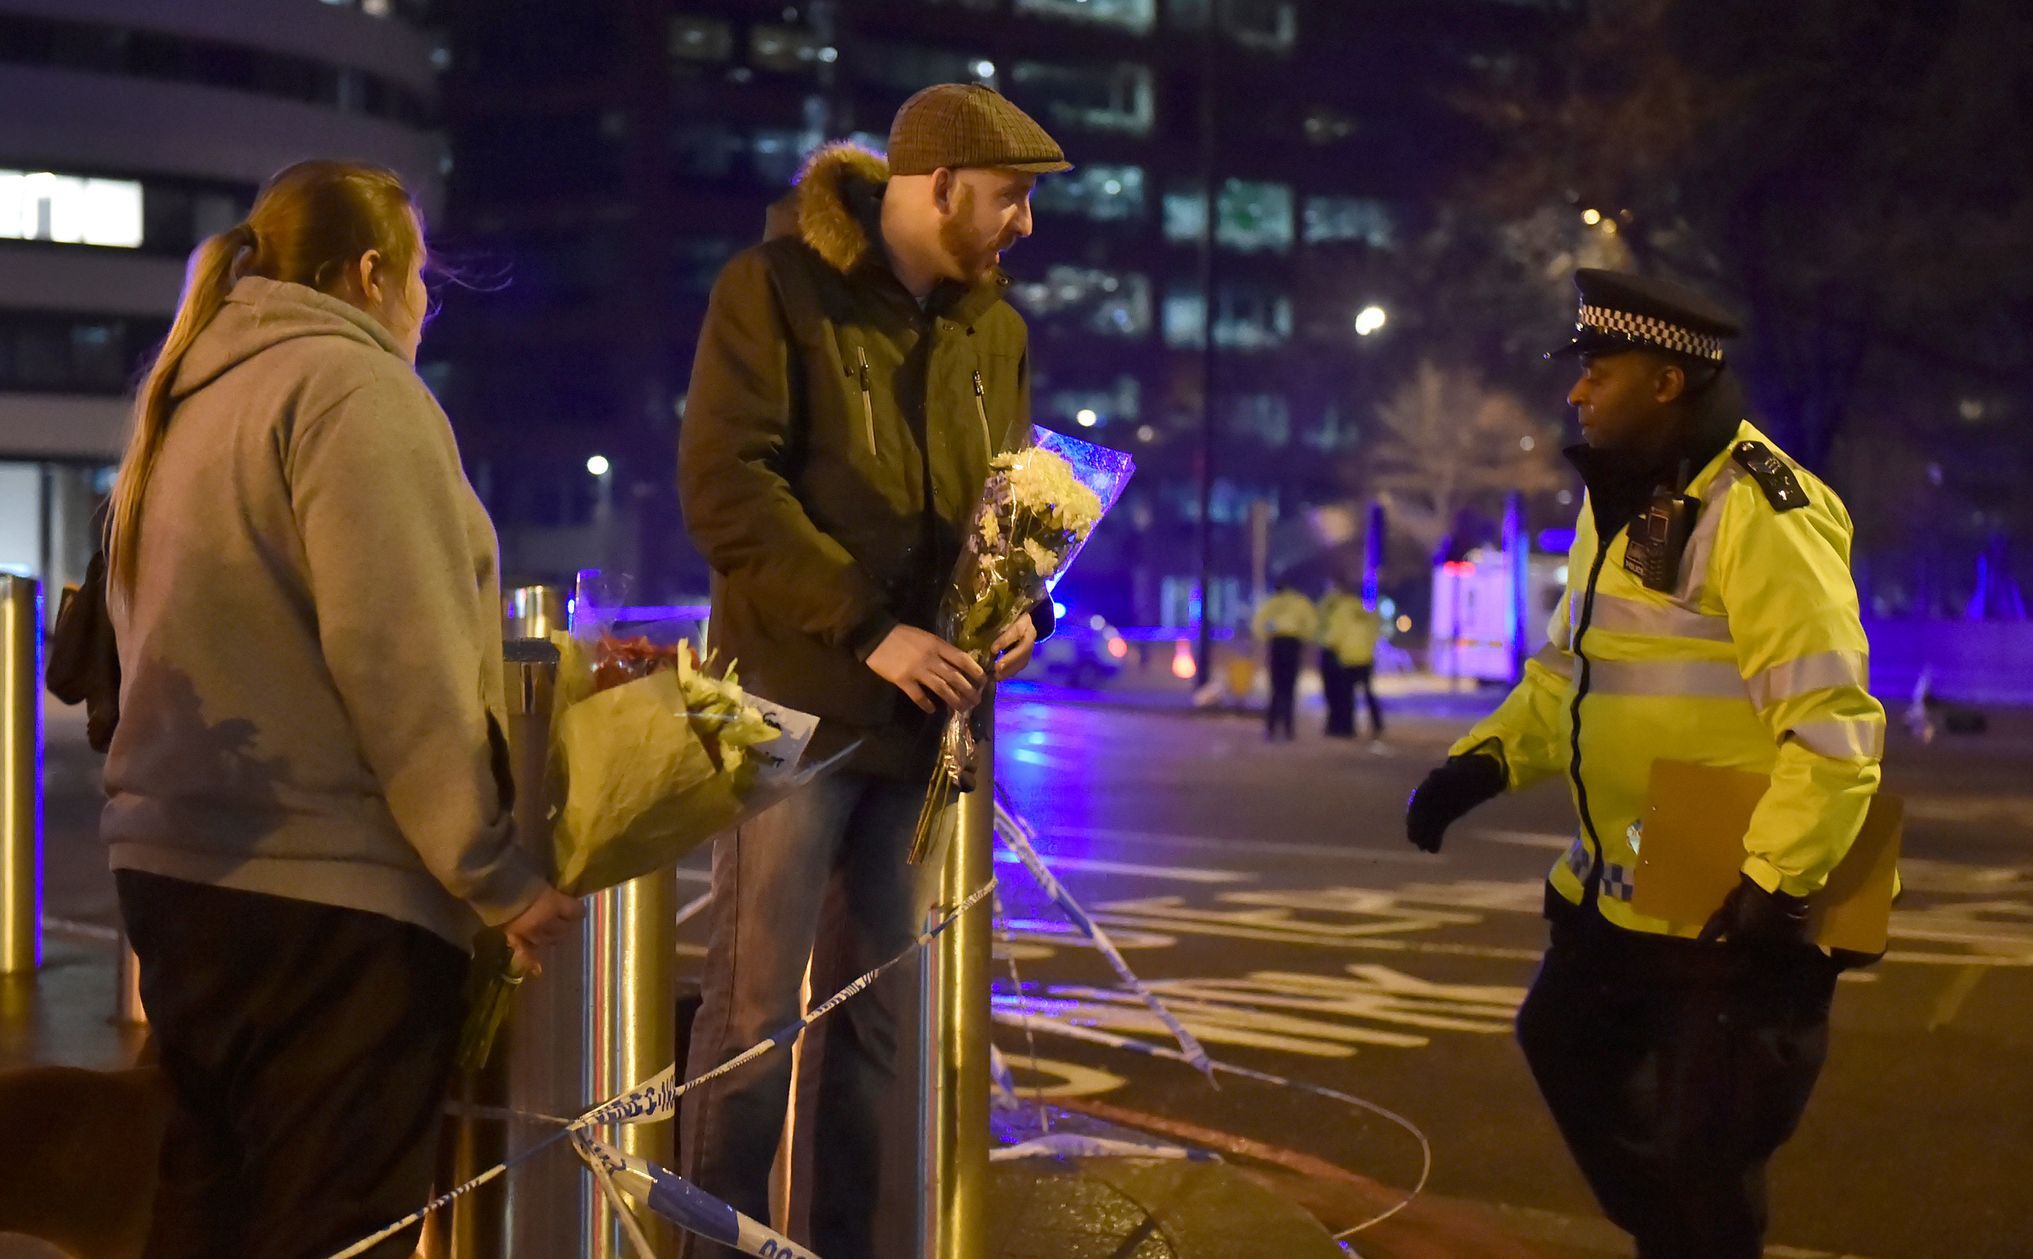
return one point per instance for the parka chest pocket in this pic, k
(858, 373)
(997, 387)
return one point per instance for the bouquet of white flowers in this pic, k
(1037, 510)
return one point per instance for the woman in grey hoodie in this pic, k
(308, 805)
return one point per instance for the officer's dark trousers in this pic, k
(1337, 684)
(1362, 681)
(307, 1050)
(1285, 653)
(1674, 1071)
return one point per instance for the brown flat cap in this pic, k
(959, 125)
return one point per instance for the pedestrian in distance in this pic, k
(308, 796)
(855, 374)
(1710, 616)
(1285, 623)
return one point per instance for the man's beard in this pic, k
(974, 260)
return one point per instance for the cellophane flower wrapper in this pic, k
(651, 755)
(1037, 510)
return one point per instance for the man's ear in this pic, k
(944, 183)
(1669, 382)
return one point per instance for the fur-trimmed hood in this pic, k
(836, 205)
(836, 210)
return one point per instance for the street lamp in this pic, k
(599, 466)
(1370, 319)
(1087, 417)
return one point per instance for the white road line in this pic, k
(1241, 848)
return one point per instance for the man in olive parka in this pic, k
(854, 375)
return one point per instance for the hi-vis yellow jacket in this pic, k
(1286, 614)
(1755, 661)
(1349, 630)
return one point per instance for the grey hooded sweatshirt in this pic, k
(310, 655)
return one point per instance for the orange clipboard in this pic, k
(1691, 850)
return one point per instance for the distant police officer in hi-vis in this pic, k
(1710, 617)
(1285, 623)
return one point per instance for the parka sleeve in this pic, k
(732, 450)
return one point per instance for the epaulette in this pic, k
(1782, 488)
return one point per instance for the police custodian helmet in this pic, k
(1620, 312)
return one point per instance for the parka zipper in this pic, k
(981, 410)
(867, 400)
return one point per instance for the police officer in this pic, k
(1710, 616)
(1349, 632)
(1285, 622)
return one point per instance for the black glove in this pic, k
(1752, 916)
(1448, 792)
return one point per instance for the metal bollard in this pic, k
(600, 1018)
(532, 612)
(20, 775)
(953, 1106)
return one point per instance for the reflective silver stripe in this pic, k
(1700, 679)
(1841, 739)
(1629, 616)
(1694, 561)
(1555, 659)
(1818, 672)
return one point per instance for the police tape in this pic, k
(656, 1098)
(685, 1204)
(1057, 1025)
(1017, 834)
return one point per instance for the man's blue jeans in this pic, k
(823, 876)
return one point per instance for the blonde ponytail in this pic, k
(206, 285)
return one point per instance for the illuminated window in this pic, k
(1119, 98)
(1106, 303)
(788, 48)
(1102, 193)
(1356, 219)
(1271, 25)
(1131, 15)
(38, 205)
(1253, 215)
(1251, 317)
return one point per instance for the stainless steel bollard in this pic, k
(601, 1017)
(532, 612)
(953, 1107)
(630, 1032)
(20, 775)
